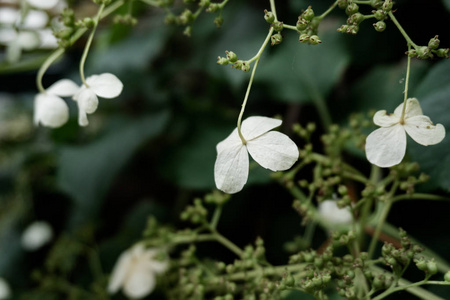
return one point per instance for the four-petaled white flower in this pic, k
(36, 235)
(105, 85)
(386, 146)
(272, 150)
(49, 109)
(330, 211)
(135, 272)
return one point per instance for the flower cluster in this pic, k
(272, 150)
(135, 272)
(386, 146)
(51, 111)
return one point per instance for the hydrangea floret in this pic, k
(135, 272)
(330, 211)
(105, 85)
(272, 150)
(386, 146)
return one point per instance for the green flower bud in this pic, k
(387, 5)
(380, 14)
(308, 14)
(231, 56)
(434, 43)
(352, 8)
(442, 52)
(277, 26)
(355, 19)
(186, 17)
(245, 67)
(342, 4)
(304, 38)
(411, 53)
(218, 21)
(343, 29)
(378, 281)
(421, 264)
(376, 3)
(314, 40)
(380, 26)
(269, 16)
(213, 7)
(432, 267)
(276, 39)
(447, 276)
(302, 24)
(424, 52)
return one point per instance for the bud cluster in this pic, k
(65, 33)
(426, 52)
(231, 58)
(307, 25)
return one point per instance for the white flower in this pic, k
(49, 109)
(36, 235)
(43, 4)
(105, 85)
(135, 272)
(5, 291)
(330, 211)
(386, 146)
(272, 150)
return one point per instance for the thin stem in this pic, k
(51, 59)
(408, 67)
(419, 196)
(402, 31)
(227, 243)
(328, 10)
(216, 217)
(290, 27)
(247, 93)
(273, 9)
(88, 44)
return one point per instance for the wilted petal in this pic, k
(43, 4)
(274, 151)
(140, 282)
(253, 127)
(383, 119)
(50, 110)
(423, 131)
(386, 146)
(231, 169)
(63, 88)
(87, 100)
(119, 272)
(412, 108)
(105, 85)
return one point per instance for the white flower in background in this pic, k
(34, 19)
(8, 15)
(49, 109)
(105, 85)
(330, 211)
(386, 146)
(5, 290)
(36, 235)
(272, 150)
(135, 272)
(22, 40)
(43, 4)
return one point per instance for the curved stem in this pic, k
(249, 87)
(88, 44)
(54, 56)
(402, 31)
(328, 10)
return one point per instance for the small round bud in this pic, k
(376, 3)
(380, 26)
(302, 24)
(277, 26)
(231, 56)
(342, 4)
(442, 52)
(352, 8)
(421, 264)
(314, 40)
(245, 67)
(355, 19)
(447, 276)
(308, 14)
(269, 16)
(432, 267)
(380, 15)
(218, 21)
(276, 39)
(434, 43)
(303, 38)
(213, 7)
(387, 5)
(424, 52)
(222, 61)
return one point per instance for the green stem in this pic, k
(227, 243)
(273, 9)
(408, 67)
(328, 11)
(88, 44)
(249, 87)
(419, 196)
(51, 59)
(402, 31)
(216, 217)
(290, 27)
(376, 235)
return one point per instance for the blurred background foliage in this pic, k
(152, 150)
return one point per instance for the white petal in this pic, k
(7, 35)
(232, 140)
(28, 40)
(43, 4)
(120, 271)
(35, 19)
(231, 169)
(48, 40)
(274, 151)
(381, 118)
(412, 108)
(140, 282)
(329, 210)
(13, 51)
(63, 88)
(386, 146)
(87, 100)
(158, 266)
(253, 127)
(423, 131)
(105, 85)
(82, 118)
(50, 110)
(36, 235)
(5, 291)
(8, 15)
